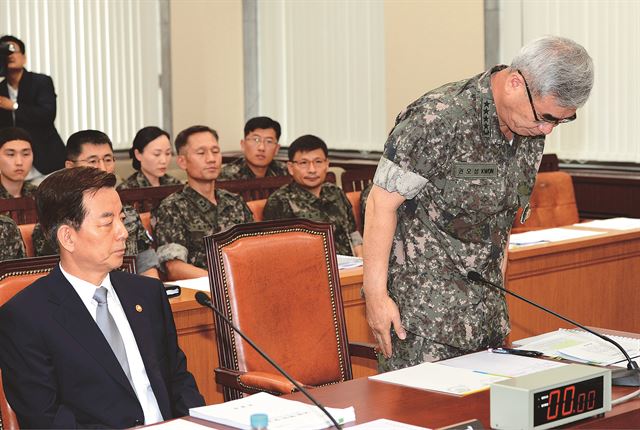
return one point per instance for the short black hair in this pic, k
(59, 196)
(184, 135)
(8, 134)
(263, 122)
(142, 139)
(307, 143)
(9, 38)
(79, 138)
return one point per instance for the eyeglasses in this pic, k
(108, 160)
(268, 141)
(545, 117)
(305, 164)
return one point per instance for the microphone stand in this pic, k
(629, 377)
(205, 301)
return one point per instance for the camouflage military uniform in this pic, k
(239, 169)
(11, 245)
(463, 183)
(28, 190)
(184, 218)
(138, 180)
(139, 242)
(363, 201)
(293, 201)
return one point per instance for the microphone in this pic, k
(205, 301)
(629, 377)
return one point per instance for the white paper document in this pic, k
(384, 424)
(283, 414)
(508, 365)
(578, 345)
(200, 284)
(612, 223)
(441, 378)
(549, 235)
(348, 262)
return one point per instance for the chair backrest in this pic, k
(261, 188)
(26, 231)
(147, 198)
(278, 281)
(21, 209)
(354, 199)
(257, 208)
(357, 179)
(552, 203)
(145, 219)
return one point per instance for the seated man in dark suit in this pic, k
(87, 345)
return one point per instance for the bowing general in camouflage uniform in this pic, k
(138, 180)
(293, 201)
(184, 218)
(11, 245)
(463, 182)
(28, 190)
(139, 243)
(239, 169)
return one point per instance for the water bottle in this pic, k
(259, 421)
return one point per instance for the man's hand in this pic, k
(382, 313)
(6, 103)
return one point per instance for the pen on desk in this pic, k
(523, 352)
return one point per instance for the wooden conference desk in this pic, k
(197, 338)
(593, 280)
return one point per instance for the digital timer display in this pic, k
(568, 400)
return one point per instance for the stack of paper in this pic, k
(507, 365)
(578, 345)
(549, 235)
(438, 377)
(348, 262)
(612, 223)
(283, 414)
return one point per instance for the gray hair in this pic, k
(556, 66)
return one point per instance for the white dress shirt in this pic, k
(141, 384)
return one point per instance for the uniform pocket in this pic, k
(485, 195)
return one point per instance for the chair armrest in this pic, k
(254, 382)
(363, 350)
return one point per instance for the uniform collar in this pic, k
(489, 124)
(199, 200)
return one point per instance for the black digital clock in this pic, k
(568, 400)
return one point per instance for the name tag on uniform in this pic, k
(475, 170)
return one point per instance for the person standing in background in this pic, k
(28, 100)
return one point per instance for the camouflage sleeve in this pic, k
(277, 207)
(139, 239)
(42, 246)
(414, 148)
(170, 234)
(12, 246)
(248, 215)
(226, 173)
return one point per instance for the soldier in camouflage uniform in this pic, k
(184, 218)
(455, 168)
(16, 160)
(150, 156)
(11, 245)
(92, 148)
(363, 201)
(308, 196)
(259, 146)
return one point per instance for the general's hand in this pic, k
(6, 103)
(382, 312)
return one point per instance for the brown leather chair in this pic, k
(26, 231)
(278, 282)
(354, 199)
(357, 179)
(257, 208)
(147, 198)
(21, 209)
(261, 188)
(15, 275)
(552, 203)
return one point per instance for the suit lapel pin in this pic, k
(139, 308)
